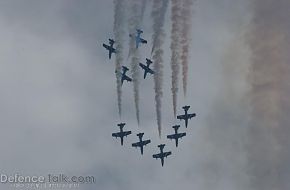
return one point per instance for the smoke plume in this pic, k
(158, 15)
(135, 18)
(135, 78)
(143, 8)
(175, 48)
(119, 34)
(269, 153)
(186, 15)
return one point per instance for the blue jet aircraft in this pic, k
(176, 135)
(122, 133)
(138, 38)
(162, 154)
(110, 47)
(146, 68)
(186, 115)
(141, 143)
(124, 76)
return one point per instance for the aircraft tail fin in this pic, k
(121, 125)
(125, 68)
(186, 107)
(161, 146)
(140, 135)
(148, 61)
(139, 31)
(176, 127)
(111, 41)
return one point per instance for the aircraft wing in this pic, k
(191, 115)
(140, 40)
(127, 78)
(150, 71)
(142, 143)
(143, 41)
(166, 154)
(171, 136)
(156, 156)
(146, 142)
(126, 133)
(181, 117)
(116, 134)
(143, 66)
(106, 46)
(137, 144)
(182, 135)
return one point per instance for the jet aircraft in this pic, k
(110, 47)
(146, 68)
(141, 143)
(186, 115)
(124, 76)
(138, 38)
(162, 154)
(176, 135)
(122, 133)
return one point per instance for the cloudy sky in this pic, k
(58, 102)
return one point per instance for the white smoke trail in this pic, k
(143, 8)
(175, 48)
(119, 34)
(135, 78)
(158, 15)
(186, 17)
(135, 18)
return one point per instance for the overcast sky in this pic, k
(58, 102)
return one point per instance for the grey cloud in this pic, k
(58, 99)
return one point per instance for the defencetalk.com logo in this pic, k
(48, 181)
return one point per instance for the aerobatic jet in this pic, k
(162, 154)
(124, 76)
(110, 47)
(146, 67)
(122, 133)
(138, 38)
(186, 115)
(141, 143)
(176, 135)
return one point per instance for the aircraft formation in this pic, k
(176, 136)
(142, 143)
(138, 40)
